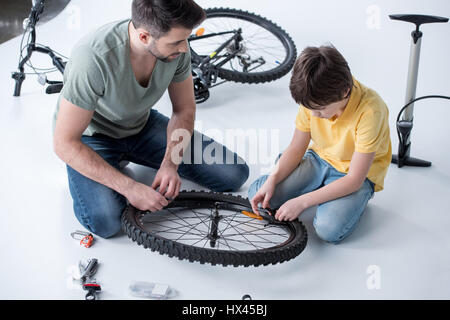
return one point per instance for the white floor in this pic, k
(401, 248)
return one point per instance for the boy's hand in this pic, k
(291, 209)
(263, 195)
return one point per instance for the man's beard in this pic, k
(155, 52)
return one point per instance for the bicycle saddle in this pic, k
(417, 19)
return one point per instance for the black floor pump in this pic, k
(404, 126)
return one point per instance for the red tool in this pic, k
(86, 238)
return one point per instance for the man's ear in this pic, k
(144, 36)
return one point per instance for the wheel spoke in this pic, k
(214, 229)
(236, 231)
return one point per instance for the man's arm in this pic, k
(179, 132)
(183, 116)
(70, 125)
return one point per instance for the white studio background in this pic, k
(399, 250)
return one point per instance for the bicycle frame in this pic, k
(204, 68)
(202, 65)
(19, 76)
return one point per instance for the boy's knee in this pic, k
(254, 187)
(327, 230)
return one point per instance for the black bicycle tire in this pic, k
(282, 35)
(204, 255)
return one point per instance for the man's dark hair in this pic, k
(159, 16)
(321, 76)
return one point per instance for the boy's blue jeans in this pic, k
(99, 208)
(334, 220)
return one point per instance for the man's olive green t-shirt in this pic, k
(99, 77)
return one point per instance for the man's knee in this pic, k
(234, 177)
(102, 222)
(99, 211)
(107, 227)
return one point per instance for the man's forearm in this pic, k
(184, 122)
(86, 161)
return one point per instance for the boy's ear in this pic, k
(347, 93)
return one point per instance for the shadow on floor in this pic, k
(14, 12)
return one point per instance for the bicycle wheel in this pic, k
(262, 40)
(210, 227)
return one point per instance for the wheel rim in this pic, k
(195, 227)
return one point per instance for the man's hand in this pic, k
(145, 198)
(263, 195)
(291, 209)
(168, 181)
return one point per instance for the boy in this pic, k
(350, 155)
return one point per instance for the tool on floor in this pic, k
(252, 215)
(86, 238)
(151, 290)
(92, 288)
(88, 281)
(264, 213)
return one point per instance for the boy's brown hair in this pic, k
(321, 76)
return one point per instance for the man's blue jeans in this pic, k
(335, 219)
(99, 208)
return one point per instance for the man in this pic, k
(104, 116)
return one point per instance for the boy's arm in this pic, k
(351, 182)
(292, 156)
(288, 161)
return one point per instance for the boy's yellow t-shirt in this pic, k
(362, 127)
